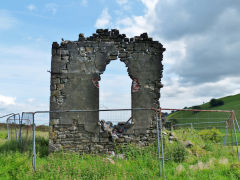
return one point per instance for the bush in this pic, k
(196, 107)
(174, 121)
(216, 102)
(235, 169)
(176, 152)
(211, 134)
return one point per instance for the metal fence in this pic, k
(219, 125)
(23, 127)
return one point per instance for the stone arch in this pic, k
(76, 68)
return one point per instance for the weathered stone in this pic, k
(76, 69)
(63, 52)
(103, 139)
(187, 144)
(172, 138)
(99, 147)
(120, 140)
(55, 93)
(128, 139)
(112, 57)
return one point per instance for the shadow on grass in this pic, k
(26, 146)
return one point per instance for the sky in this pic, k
(201, 38)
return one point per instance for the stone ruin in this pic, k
(76, 69)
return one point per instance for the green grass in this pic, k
(230, 103)
(205, 160)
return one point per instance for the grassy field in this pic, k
(206, 159)
(230, 103)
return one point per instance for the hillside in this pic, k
(230, 103)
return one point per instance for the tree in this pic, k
(216, 102)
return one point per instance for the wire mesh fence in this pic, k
(173, 126)
(13, 126)
(200, 128)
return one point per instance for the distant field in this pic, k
(230, 103)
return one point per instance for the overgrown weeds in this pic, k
(206, 159)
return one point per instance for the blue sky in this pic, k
(201, 37)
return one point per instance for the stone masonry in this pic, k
(76, 69)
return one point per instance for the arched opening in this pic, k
(115, 92)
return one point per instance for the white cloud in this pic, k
(84, 2)
(135, 25)
(176, 51)
(121, 2)
(6, 20)
(30, 100)
(201, 47)
(52, 7)
(104, 20)
(31, 7)
(175, 95)
(7, 100)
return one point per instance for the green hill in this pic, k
(230, 103)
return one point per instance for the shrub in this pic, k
(211, 134)
(174, 121)
(176, 152)
(235, 169)
(216, 102)
(196, 107)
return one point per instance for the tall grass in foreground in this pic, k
(204, 160)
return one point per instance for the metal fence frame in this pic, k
(159, 128)
(232, 117)
(15, 119)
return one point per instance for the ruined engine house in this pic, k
(76, 69)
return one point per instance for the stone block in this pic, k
(104, 139)
(95, 139)
(122, 55)
(62, 136)
(60, 86)
(89, 49)
(63, 52)
(65, 58)
(120, 140)
(55, 93)
(112, 57)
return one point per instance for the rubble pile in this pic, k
(115, 131)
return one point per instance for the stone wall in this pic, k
(75, 72)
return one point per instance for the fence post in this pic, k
(235, 117)
(225, 137)
(158, 144)
(20, 129)
(8, 130)
(191, 128)
(161, 135)
(34, 147)
(235, 136)
(15, 126)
